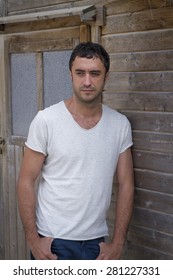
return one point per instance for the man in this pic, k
(77, 145)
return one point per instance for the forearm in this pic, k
(27, 203)
(123, 213)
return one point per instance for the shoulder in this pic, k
(114, 114)
(52, 112)
(116, 120)
(55, 108)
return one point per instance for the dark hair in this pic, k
(90, 50)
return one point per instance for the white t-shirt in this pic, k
(75, 188)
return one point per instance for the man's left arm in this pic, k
(124, 208)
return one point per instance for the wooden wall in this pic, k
(139, 37)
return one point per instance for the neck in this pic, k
(85, 110)
(87, 116)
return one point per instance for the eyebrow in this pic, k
(91, 71)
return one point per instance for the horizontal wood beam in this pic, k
(86, 13)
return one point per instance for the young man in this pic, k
(77, 145)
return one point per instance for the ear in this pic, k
(71, 76)
(106, 77)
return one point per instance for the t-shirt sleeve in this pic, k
(38, 135)
(127, 137)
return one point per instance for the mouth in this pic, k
(87, 90)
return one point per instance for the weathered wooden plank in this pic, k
(154, 181)
(4, 189)
(152, 219)
(134, 251)
(39, 9)
(2, 251)
(140, 81)
(39, 46)
(85, 33)
(86, 13)
(18, 141)
(131, 6)
(21, 242)
(139, 41)
(3, 8)
(39, 79)
(96, 34)
(17, 5)
(142, 61)
(151, 238)
(54, 34)
(59, 5)
(153, 141)
(69, 21)
(140, 21)
(160, 162)
(154, 200)
(94, 2)
(12, 219)
(139, 101)
(150, 121)
(58, 39)
(4, 248)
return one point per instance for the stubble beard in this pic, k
(89, 101)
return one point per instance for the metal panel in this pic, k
(23, 92)
(57, 83)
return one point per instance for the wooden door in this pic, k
(36, 76)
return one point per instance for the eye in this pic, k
(95, 73)
(80, 72)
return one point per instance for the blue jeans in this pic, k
(75, 250)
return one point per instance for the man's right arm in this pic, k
(30, 170)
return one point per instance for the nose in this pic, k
(87, 80)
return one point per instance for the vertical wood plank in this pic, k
(12, 203)
(4, 184)
(96, 34)
(1, 212)
(39, 78)
(22, 250)
(1, 159)
(3, 7)
(85, 33)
